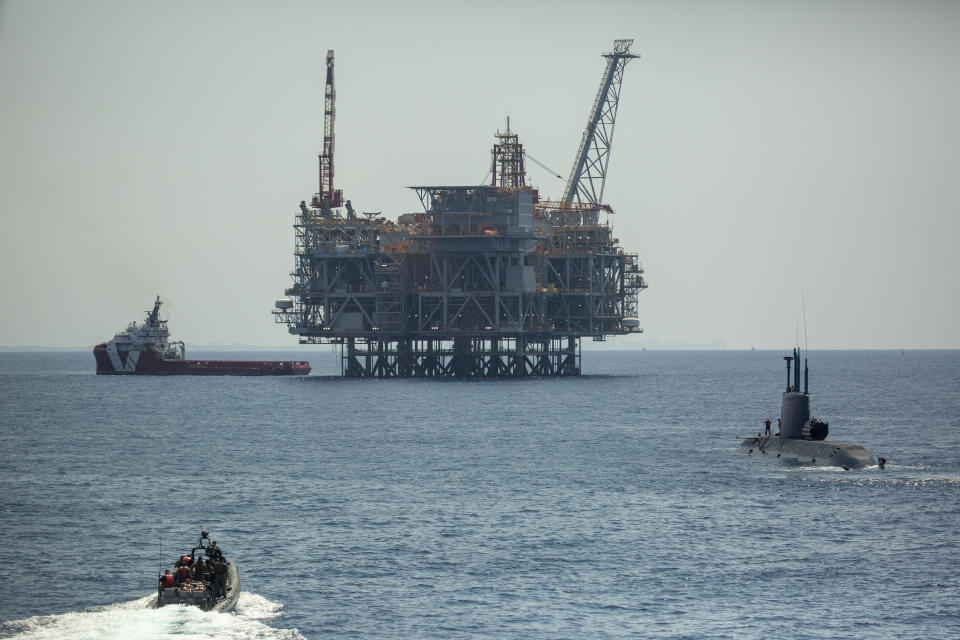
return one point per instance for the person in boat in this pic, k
(213, 551)
(199, 571)
(182, 574)
(766, 424)
(167, 580)
(220, 578)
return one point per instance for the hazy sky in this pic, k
(764, 152)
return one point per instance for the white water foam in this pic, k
(134, 619)
(893, 475)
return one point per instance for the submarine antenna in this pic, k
(806, 344)
(797, 341)
(803, 303)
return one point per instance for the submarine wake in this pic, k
(905, 478)
(134, 618)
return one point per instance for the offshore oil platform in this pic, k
(490, 281)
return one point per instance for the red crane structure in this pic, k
(328, 197)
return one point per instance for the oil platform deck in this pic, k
(490, 281)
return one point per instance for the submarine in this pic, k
(802, 437)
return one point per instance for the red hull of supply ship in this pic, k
(146, 349)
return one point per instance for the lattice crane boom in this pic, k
(589, 172)
(328, 196)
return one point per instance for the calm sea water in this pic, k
(615, 505)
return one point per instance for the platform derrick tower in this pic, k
(335, 253)
(488, 281)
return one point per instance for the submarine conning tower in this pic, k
(795, 408)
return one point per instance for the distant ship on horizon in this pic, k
(146, 349)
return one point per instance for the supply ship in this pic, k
(146, 349)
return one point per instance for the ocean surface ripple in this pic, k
(616, 505)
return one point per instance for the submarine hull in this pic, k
(821, 452)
